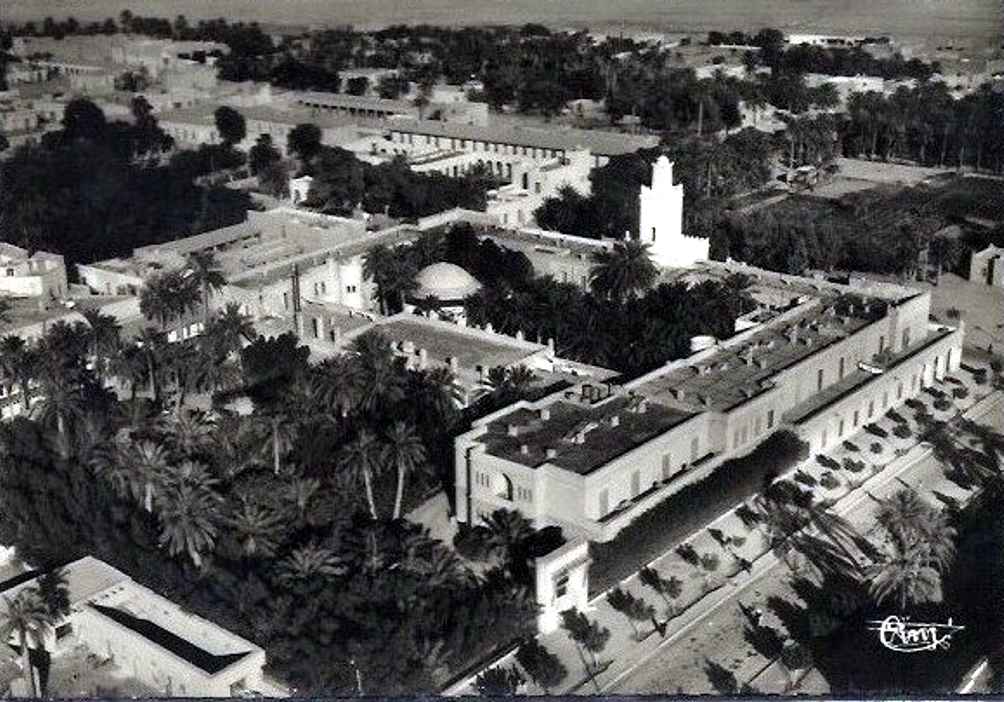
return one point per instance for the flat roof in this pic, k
(603, 143)
(184, 649)
(360, 102)
(732, 375)
(85, 578)
(470, 349)
(603, 442)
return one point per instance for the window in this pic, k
(350, 288)
(841, 372)
(840, 428)
(635, 484)
(694, 448)
(561, 585)
(823, 439)
(315, 327)
(906, 338)
(885, 399)
(757, 425)
(653, 235)
(10, 272)
(855, 422)
(819, 380)
(667, 466)
(536, 187)
(285, 301)
(881, 344)
(770, 419)
(871, 408)
(604, 502)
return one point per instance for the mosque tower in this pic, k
(661, 221)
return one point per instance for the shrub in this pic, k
(688, 553)
(876, 430)
(960, 393)
(853, 466)
(473, 543)
(914, 403)
(829, 481)
(942, 404)
(876, 447)
(804, 478)
(682, 513)
(827, 462)
(749, 516)
(980, 376)
(902, 431)
(895, 416)
(851, 446)
(997, 364)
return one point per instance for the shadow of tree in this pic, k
(721, 678)
(765, 640)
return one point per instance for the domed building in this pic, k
(441, 290)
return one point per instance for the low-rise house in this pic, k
(37, 275)
(150, 638)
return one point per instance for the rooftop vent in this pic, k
(615, 421)
(760, 363)
(678, 393)
(551, 453)
(524, 450)
(513, 430)
(545, 414)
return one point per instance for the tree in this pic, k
(257, 528)
(509, 531)
(205, 273)
(18, 362)
(263, 155)
(588, 636)
(624, 272)
(919, 546)
(669, 589)
(103, 338)
(83, 120)
(304, 141)
(26, 616)
(360, 460)
(230, 125)
(636, 610)
(168, 295)
(795, 657)
(188, 518)
(54, 592)
(404, 450)
(543, 667)
(499, 682)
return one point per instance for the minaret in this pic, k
(661, 221)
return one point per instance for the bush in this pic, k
(804, 478)
(876, 447)
(902, 431)
(876, 430)
(473, 543)
(829, 481)
(827, 462)
(851, 446)
(895, 416)
(997, 364)
(960, 393)
(688, 553)
(942, 404)
(664, 526)
(853, 466)
(980, 376)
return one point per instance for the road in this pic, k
(690, 663)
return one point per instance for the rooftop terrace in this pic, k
(580, 437)
(443, 340)
(732, 375)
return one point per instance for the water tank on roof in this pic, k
(701, 342)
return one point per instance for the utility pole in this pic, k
(296, 299)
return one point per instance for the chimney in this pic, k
(747, 393)
(513, 430)
(642, 406)
(587, 391)
(596, 394)
(408, 346)
(615, 421)
(423, 359)
(679, 393)
(545, 413)
(524, 450)
(551, 453)
(579, 438)
(489, 328)
(705, 400)
(519, 335)
(807, 341)
(760, 363)
(550, 344)
(454, 365)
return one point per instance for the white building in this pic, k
(151, 639)
(39, 275)
(661, 221)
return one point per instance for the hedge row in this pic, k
(666, 525)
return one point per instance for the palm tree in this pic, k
(145, 465)
(53, 589)
(103, 338)
(904, 573)
(256, 527)
(336, 384)
(168, 295)
(359, 458)
(300, 492)
(6, 309)
(206, 274)
(404, 450)
(152, 343)
(17, 362)
(62, 401)
(26, 615)
(624, 272)
(308, 562)
(229, 330)
(188, 520)
(376, 267)
(509, 532)
(280, 435)
(191, 432)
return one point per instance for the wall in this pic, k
(107, 282)
(155, 666)
(566, 567)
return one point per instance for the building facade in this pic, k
(987, 266)
(592, 458)
(38, 275)
(661, 221)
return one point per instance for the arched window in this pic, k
(502, 486)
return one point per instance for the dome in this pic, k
(445, 281)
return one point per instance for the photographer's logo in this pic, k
(903, 636)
